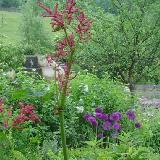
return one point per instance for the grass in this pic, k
(10, 23)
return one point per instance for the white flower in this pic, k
(126, 89)
(80, 109)
(86, 88)
(11, 74)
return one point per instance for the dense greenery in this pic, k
(85, 92)
(103, 120)
(125, 44)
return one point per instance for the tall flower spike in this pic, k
(62, 20)
(10, 112)
(49, 59)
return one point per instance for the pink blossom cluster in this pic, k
(27, 113)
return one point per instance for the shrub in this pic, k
(90, 91)
(11, 56)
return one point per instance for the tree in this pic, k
(9, 3)
(127, 44)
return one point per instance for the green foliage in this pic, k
(125, 44)
(87, 91)
(152, 121)
(18, 155)
(12, 148)
(152, 76)
(4, 145)
(148, 135)
(37, 142)
(11, 25)
(11, 55)
(123, 151)
(90, 91)
(26, 86)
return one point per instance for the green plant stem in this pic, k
(63, 101)
(63, 136)
(61, 116)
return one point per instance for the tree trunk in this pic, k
(132, 88)
(132, 91)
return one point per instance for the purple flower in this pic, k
(116, 116)
(131, 115)
(99, 110)
(107, 125)
(86, 116)
(102, 116)
(137, 125)
(91, 119)
(117, 126)
(100, 135)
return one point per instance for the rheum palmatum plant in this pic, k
(76, 28)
